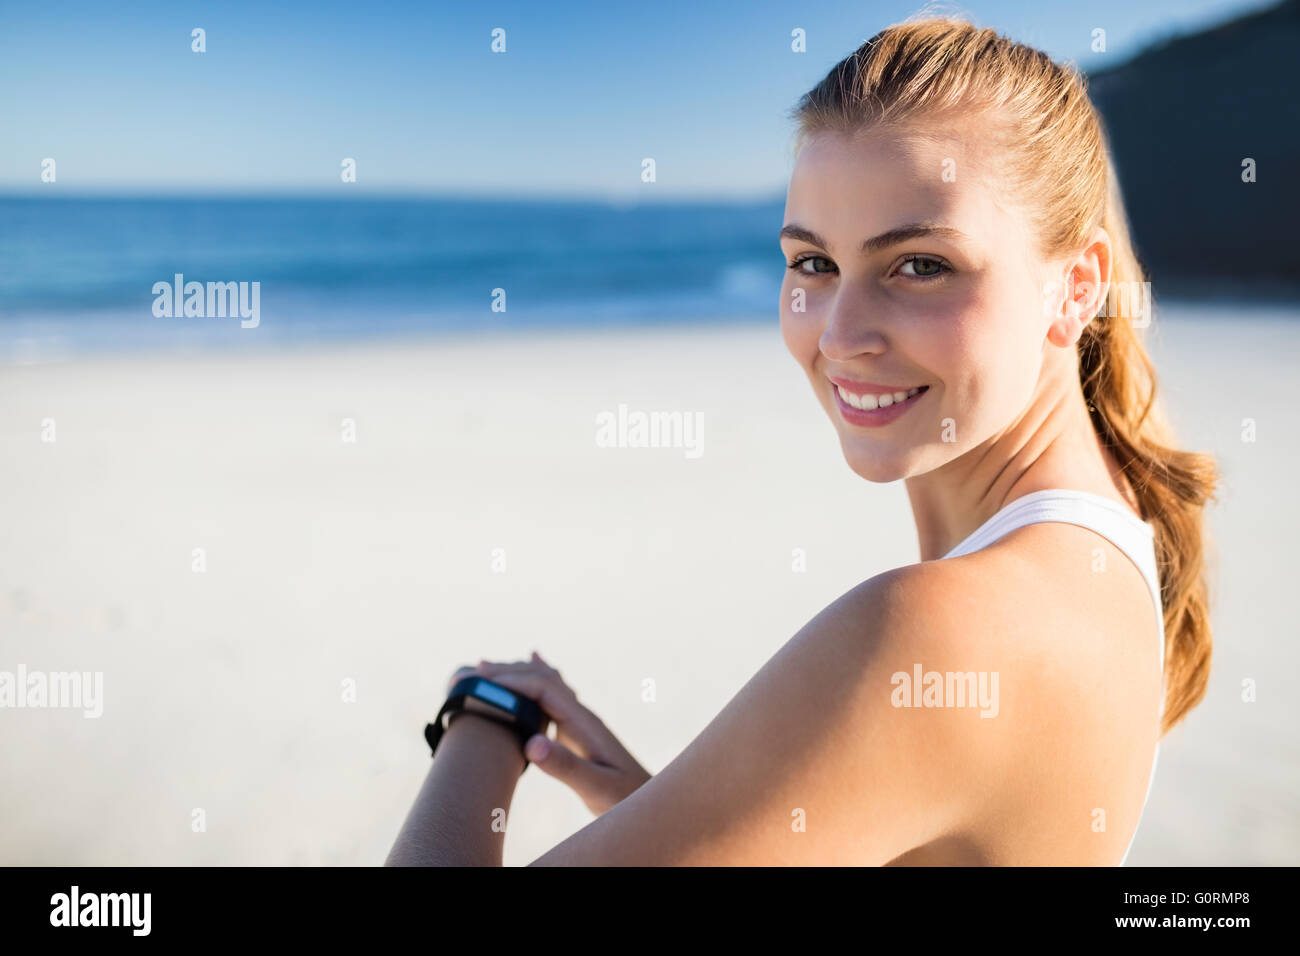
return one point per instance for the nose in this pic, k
(850, 331)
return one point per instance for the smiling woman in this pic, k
(952, 230)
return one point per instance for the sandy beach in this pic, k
(475, 514)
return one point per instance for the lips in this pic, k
(875, 409)
(869, 396)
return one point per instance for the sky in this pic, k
(413, 92)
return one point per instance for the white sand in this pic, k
(372, 561)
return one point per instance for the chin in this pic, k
(875, 466)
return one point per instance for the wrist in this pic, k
(483, 734)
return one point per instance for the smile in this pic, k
(873, 400)
(873, 405)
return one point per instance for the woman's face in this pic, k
(949, 312)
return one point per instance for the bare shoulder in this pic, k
(940, 704)
(811, 762)
(1063, 599)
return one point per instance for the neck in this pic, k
(1051, 444)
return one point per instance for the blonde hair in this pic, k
(1052, 150)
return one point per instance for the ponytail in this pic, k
(1172, 486)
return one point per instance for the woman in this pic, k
(960, 295)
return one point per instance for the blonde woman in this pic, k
(960, 292)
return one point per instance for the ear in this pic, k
(1087, 282)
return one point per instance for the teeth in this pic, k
(872, 402)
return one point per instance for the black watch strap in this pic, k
(479, 695)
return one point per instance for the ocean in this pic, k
(78, 275)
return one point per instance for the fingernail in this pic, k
(538, 747)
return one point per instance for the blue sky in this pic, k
(412, 91)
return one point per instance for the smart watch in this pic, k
(478, 695)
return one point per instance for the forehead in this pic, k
(847, 187)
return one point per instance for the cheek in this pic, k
(991, 366)
(801, 331)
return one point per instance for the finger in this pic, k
(554, 697)
(593, 783)
(486, 664)
(508, 667)
(575, 724)
(528, 668)
(490, 667)
(460, 674)
(487, 668)
(538, 658)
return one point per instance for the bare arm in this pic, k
(819, 760)
(810, 763)
(460, 813)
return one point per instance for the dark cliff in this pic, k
(1181, 117)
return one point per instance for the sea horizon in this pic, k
(95, 274)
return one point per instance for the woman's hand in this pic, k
(584, 755)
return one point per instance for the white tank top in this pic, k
(1115, 523)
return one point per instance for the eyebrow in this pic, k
(912, 230)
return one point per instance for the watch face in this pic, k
(495, 694)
